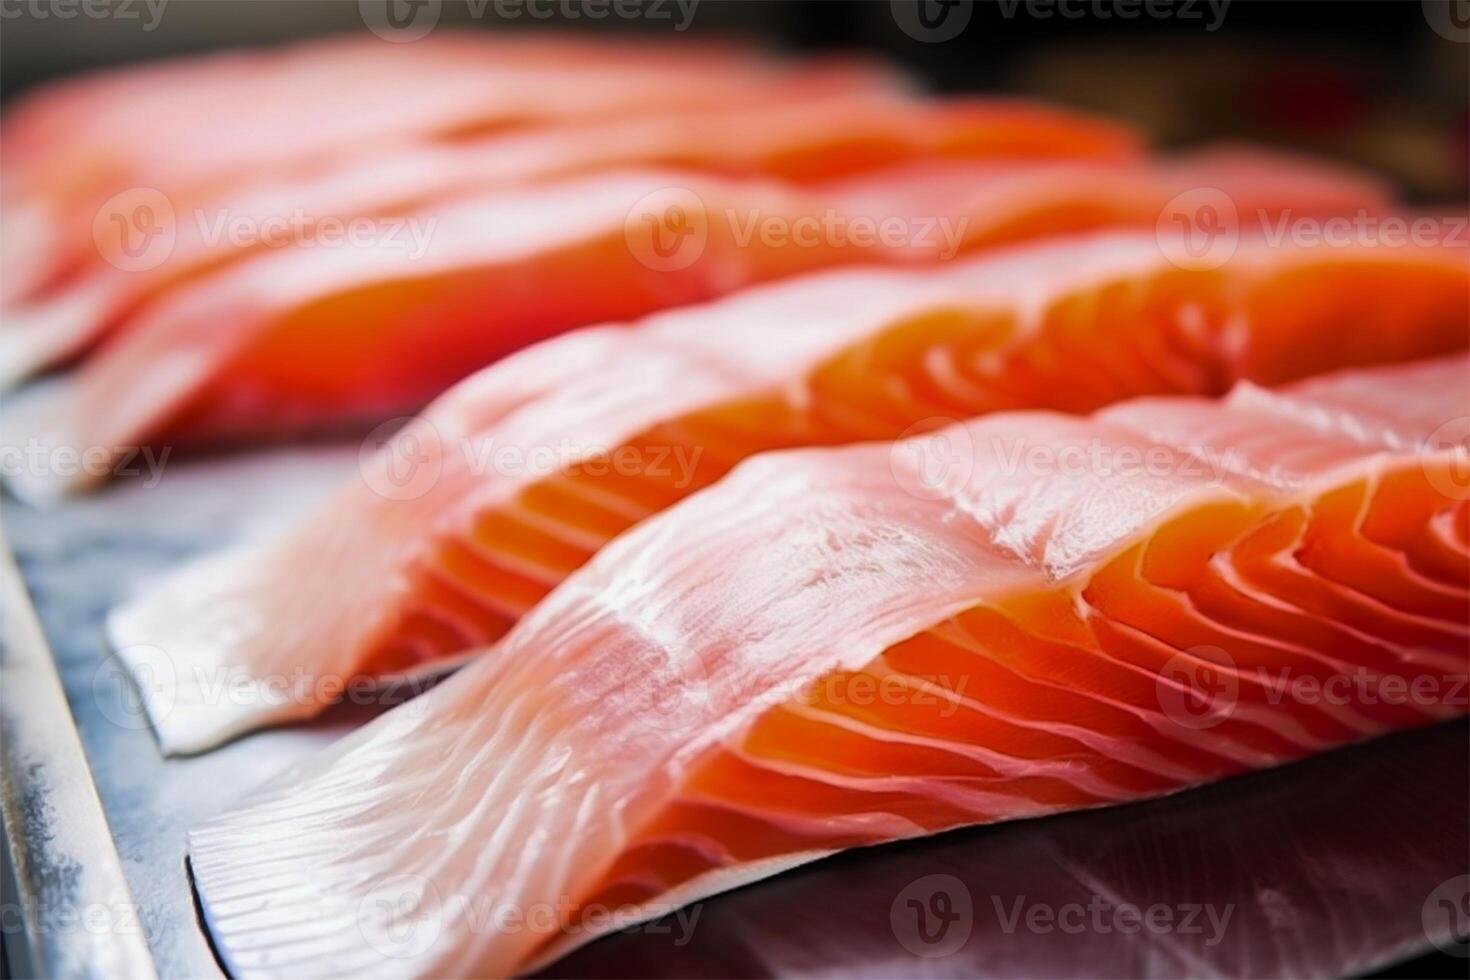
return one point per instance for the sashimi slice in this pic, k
(520, 474)
(809, 656)
(305, 338)
(800, 139)
(208, 122)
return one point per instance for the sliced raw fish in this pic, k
(519, 475)
(812, 656)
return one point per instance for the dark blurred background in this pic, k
(1381, 83)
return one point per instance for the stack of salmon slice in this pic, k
(808, 656)
(901, 464)
(455, 530)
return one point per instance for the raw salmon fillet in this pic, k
(799, 138)
(443, 541)
(811, 656)
(318, 339)
(182, 127)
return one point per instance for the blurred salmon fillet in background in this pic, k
(204, 124)
(806, 136)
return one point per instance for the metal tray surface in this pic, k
(1326, 867)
